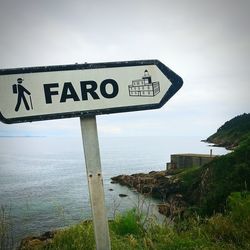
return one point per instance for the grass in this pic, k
(220, 231)
(128, 224)
(77, 237)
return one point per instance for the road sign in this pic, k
(42, 93)
(86, 90)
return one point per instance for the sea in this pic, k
(43, 183)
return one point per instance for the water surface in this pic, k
(43, 179)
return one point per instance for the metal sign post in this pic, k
(95, 181)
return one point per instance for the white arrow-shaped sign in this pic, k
(41, 93)
(86, 90)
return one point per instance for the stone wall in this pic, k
(188, 160)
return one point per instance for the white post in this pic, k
(95, 181)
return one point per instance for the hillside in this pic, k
(203, 189)
(216, 180)
(232, 132)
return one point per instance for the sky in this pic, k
(207, 43)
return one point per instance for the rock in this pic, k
(173, 207)
(123, 195)
(164, 209)
(162, 185)
(37, 242)
(146, 189)
(111, 189)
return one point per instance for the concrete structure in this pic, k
(189, 160)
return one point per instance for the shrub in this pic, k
(233, 227)
(74, 238)
(239, 204)
(128, 223)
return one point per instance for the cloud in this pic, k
(206, 42)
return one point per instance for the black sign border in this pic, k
(176, 81)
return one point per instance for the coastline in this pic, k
(165, 186)
(220, 144)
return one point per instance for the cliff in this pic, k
(232, 132)
(169, 187)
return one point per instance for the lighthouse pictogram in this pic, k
(144, 86)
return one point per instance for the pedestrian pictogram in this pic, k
(20, 90)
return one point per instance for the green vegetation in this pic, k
(228, 231)
(205, 189)
(233, 132)
(222, 176)
(188, 177)
(77, 237)
(218, 216)
(128, 223)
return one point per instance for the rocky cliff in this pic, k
(163, 185)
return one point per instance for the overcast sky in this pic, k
(206, 42)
